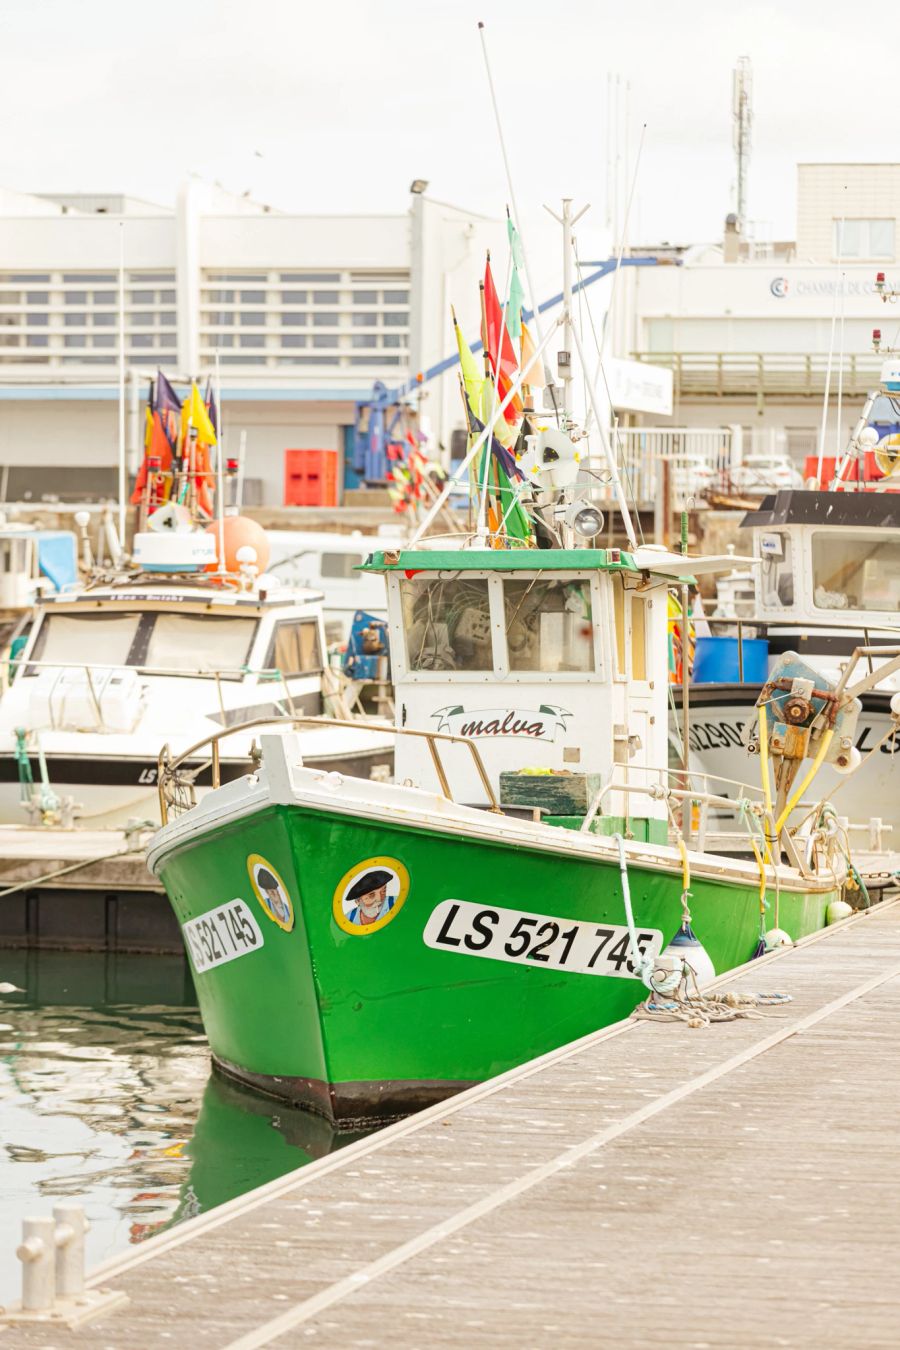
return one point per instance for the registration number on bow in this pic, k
(536, 939)
(221, 934)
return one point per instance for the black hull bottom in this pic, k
(348, 1106)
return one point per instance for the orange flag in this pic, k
(535, 375)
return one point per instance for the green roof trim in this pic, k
(500, 560)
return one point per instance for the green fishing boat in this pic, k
(367, 948)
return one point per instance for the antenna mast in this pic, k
(742, 113)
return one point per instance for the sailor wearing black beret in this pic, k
(370, 898)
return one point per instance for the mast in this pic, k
(564, 359)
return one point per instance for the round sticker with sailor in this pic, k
(271, 891)
(370, 895)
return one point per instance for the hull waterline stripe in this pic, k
(303, 1312)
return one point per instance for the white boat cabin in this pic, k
(111, 674)
(547, 659)
(828, 558)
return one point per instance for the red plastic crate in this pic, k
(829, 467)
(310, 478)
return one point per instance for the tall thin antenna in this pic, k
(123, 473)
(742, 112)
(517, 219)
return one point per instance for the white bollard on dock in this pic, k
(52, 1253)
(37, 1252)
(71, 1226)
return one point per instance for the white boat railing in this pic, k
(177, 775)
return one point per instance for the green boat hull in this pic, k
(367, 1024)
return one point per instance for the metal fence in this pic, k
(787, 376)
(704, 463)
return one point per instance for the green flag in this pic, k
(516, 294)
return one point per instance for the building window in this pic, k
(864, 239)
(375, 305)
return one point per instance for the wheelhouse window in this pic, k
(856, 572)
(86, 639)
(341, 566)
(549, 625)
(295, 648)
(777, 571)
(639, 637)
(197, 644)
(447, 624)
(178, 643)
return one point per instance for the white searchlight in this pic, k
(584, 519)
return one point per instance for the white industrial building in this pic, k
(747, 331)
(307, 312)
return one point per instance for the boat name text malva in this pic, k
(541, 724)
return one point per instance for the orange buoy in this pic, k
(238, 531)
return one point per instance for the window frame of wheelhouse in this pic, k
(788, 530)
(266, 618)
(428, 699)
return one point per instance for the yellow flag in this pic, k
(473, 378)
(535, 377)
(194, 410)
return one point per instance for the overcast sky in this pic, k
(335, 105)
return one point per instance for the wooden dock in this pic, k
(650, 1185)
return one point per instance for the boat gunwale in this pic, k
(207, 817)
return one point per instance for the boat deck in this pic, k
(650, 1185)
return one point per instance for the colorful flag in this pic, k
(168, 405)
(473, 378)
(516, 294)
(498, 346)
(535, 376)
(209, 399)
(193, 411)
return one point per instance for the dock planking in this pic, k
(649, 1185)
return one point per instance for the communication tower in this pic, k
(742, 113)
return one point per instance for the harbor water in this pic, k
(106, 1096)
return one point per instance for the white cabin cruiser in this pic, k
(828, 581)
(117, 668)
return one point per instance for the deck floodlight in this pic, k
(585, 519)
(418, 186)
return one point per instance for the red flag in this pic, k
(499, 347)
(158, 447)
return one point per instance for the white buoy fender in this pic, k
(837, 910)
(686, 945)
(777, 937)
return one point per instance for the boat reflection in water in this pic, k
(106, 1095)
